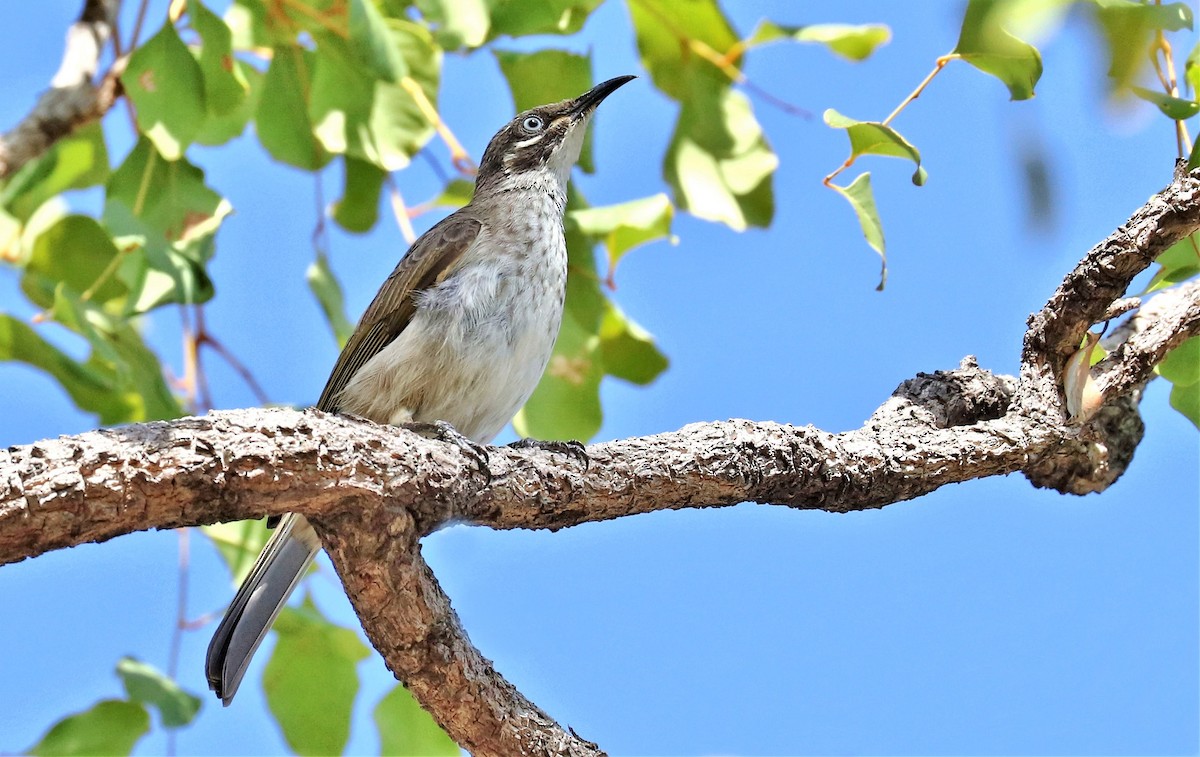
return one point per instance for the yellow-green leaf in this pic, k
(373, 44)
(854, 42)
(311, 681)
(110, 727)
(239, 544)
(358, 208)
(328, 291)
(862, 200)
(224, 86)
(406, 729)
(150, 686)
(874, 138)
(166, 86)
(281, 118)
(626, 225)
(985, 44)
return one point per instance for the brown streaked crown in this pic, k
(527, 142)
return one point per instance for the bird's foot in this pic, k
(573, 449)
(444, 432)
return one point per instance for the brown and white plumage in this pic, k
(460, 332)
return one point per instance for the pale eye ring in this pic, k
(532, 124)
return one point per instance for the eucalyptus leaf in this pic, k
(854, 42)
(328, 291)
(1176, 108)
(283, 127)
(311, 681)
(110, 727)
(862, 200)
(372, 43)
(146, 684)
(985, 44)
(224, 86)
(874, 138)
(406, 729)
(166, 86)
(358, 208)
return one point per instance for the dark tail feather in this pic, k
(261, 596)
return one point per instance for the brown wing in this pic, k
(427, 262)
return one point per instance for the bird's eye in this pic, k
(532, 124)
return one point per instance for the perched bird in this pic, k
(460, 332)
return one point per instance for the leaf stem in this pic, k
(458, 156)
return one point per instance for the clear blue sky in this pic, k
(987, 618)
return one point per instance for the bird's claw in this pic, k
(572, 448)
(444, 432)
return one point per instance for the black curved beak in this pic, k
(588, 101)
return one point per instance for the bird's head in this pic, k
(545, 139)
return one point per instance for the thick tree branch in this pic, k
(74, 98)
(374, 491)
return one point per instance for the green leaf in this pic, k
(874, 138)
(168, 206)
(985, 44)
(455, 194)
(146, 684)
(1186, 399)
(90, 389)
(548, 76)
(110, 727)
(311, 681)
(517, 18)
(719, 163)
(457, 23)
(406, 729)
(74, 162)
(220, 128)
(665, 30)
(1128, 26)
(224, 87)
(628, 350)
(862, 199)
(626, 225)
(239, 544)
(76, 251)
(1179, 262)
(1194, 159)
(358, 210)
(1181, 367)
(328, 291)
(1176, 108)
(166, 86)
(854, 42)
(282, 120)
(372, 120)
(373, 44)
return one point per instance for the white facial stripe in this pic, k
(530, 141)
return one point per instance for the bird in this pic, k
(458, 334)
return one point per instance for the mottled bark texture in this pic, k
(374, 491)
(74, 97)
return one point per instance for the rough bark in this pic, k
(74, 97)
(374, 491)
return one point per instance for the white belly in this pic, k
(474, 350)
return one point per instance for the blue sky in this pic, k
(986, 618)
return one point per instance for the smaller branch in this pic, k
(1087, 294)
(73, 100)
(1162, 325)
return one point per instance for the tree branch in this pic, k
(73, 99)
(373, 491)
